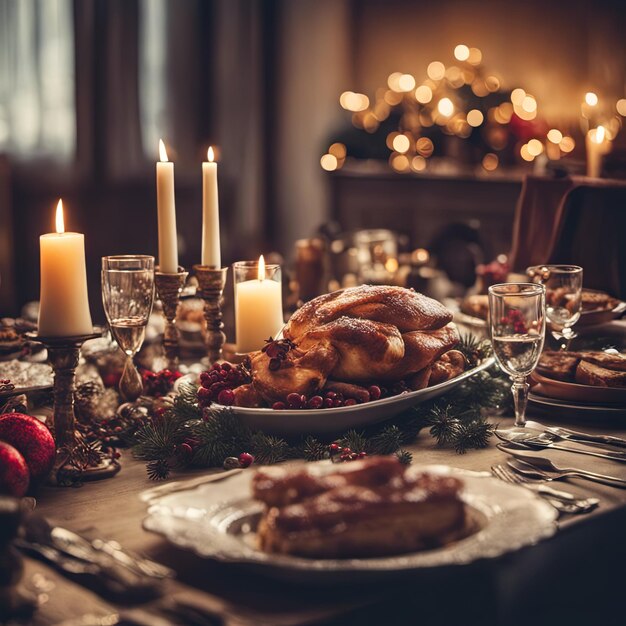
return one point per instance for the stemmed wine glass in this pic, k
(127, 295)
(564, 284)
(517, 327)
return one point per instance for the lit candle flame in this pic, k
(210, 154)
(261, 268)
(600, 134)
(162, 152)
(60, 224)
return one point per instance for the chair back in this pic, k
(537, 217)
(592, 234)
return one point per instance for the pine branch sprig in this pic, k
(268, 450)
(387, 441)
(473, 435)
(314, 450)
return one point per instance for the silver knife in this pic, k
(532, 440)
(574, 435)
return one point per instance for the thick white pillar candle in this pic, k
(64, 305)
(597, 144)
(211, 255)
(166, 206)
(258, 311)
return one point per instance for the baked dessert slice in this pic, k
(591, 374)
(559, 365)
(610, 361)
(369, 508)
(597, 300)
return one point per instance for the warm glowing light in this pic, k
(420, 255)
(480, 88)
(338, 150)
(535, 147)
(567, 144)
(591, 98)
(401, 143)
(424, 94)
(490, 161)
(261, 272)
(445, 107)
(424, 146)
(475, 56)
(329, 162)
(400, 162)
(525, 153)
(162, 152)
(436, 70)
(517, 96)
(392, 98)
(475, 118)
(529, 104)
(555, 135)
(461, 52)
(492, 83)
(210, 154)
(418, 163)
(60, 224)
(406, 82)
(502, 114)
(352, 101)
(621, 107)
(391, 265)
(454, 75)
(598, 135)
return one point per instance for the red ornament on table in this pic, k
(32, 439)
(14, 474)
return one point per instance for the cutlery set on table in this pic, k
(541, 454)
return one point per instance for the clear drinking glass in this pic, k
(128, 295)
(377, 254)
(517, 327)
(564, 284)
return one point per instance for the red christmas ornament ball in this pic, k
(33, 441)
(246, 459)
(14, 474)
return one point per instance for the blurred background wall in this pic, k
(87, 87)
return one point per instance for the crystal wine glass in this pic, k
(563, 285)
(517, 325)
(127, 295)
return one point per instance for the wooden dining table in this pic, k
(574, 577)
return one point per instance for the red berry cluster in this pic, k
(515, 319)
(158, 384)
(276, 350)
(6, 385)
(330, 400)
(342, 455)
(218, 383)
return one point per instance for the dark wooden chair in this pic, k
(592, 234)
(537, 218)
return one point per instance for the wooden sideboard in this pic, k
(369, 195)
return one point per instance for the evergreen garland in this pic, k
(184, 434)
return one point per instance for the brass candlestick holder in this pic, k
(168, 288)
(63, 354)
(211, 282)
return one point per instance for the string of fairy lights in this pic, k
(464, 100)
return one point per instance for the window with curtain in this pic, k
(37, 104)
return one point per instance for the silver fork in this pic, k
(563, 501)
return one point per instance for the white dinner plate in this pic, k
(218, 521)
(330, 421)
